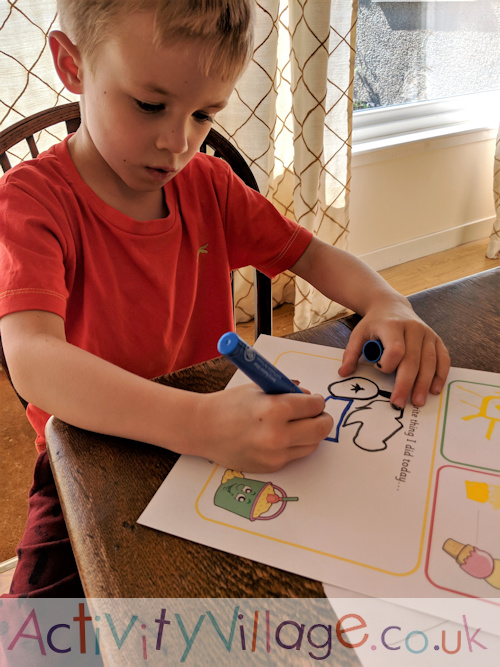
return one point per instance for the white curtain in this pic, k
(493, 249)
(290, 116)
(29, 82)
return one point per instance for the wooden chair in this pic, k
(26, 129)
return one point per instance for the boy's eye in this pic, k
(202, 117)
(149, 108)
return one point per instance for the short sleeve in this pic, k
(32, 249)
(257, 234)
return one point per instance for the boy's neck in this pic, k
(141, 206)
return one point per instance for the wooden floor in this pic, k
(17, 448)
(420, 274)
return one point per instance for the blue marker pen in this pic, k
(255, 366)
(373, 350)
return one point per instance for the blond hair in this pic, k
(226, 26)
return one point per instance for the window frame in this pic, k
(416, 121)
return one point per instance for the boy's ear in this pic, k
(67, 61)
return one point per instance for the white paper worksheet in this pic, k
(394, 503)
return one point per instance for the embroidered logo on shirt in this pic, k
(202, 251)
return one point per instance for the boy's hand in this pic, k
(245, 429)
(411, 348)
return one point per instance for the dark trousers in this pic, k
(46, 566)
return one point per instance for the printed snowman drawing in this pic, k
(359, 401)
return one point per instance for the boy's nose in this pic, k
(173, 138)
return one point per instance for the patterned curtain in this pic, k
(493, 249)
(29, 80)
(290, 116)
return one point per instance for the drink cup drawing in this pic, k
(482, 492)
(250, 498)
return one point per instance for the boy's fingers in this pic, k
(443, 363)
(271, 463)
(427, 371)
(403, 347)
(352, 352)
(419, 358)
(310, 432)
(301, 451)
(393, 354)
(303, 389)
(301, 437)
(407, 370)
(433, 367)
(304, 406)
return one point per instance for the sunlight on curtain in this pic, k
(291, 118)
(29, 80)
(493, 249)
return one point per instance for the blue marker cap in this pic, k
(255, 366)
(373, 350)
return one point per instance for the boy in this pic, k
(102, 282)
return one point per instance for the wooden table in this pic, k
(105, 483)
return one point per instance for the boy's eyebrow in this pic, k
(152, 88)
(217, 105)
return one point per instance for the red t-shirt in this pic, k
(153, 296)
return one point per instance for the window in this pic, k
(429, 64)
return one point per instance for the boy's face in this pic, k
(145, 112)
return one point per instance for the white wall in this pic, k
(417, 198)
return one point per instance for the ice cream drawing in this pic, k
(483, 493)
(360, 401)
(250, 498)
(475, 562)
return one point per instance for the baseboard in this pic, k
(422, 246)
(8, 564)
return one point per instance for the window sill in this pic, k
(450, 121)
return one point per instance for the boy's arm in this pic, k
(241, 428)
(410, 346)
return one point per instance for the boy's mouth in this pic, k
(159, 173)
